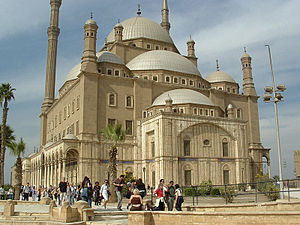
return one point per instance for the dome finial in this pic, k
(105, 45)
(218, 68)
(139, 10)
(118, 20)
(245, 50)
(92, 15)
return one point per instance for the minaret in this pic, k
(89, 58)
(118, 31)
(165, 16)
(53, 33)
(248, 85)
(191, 47)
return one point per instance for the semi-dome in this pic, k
(219, 76)
(90, 21)
(104, 56)
(183, 96)
(140, 27)
(165, 60)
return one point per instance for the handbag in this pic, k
(108, 192)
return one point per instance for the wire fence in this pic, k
(259, 191)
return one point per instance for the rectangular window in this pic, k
(148, 46)
(77, 102)
(186, 147)
(59, 136)
(73, 106)
(112, 99)
(109, 72)
(168, 79)
(153, 148)
(64, 132)
(55, 123)
(129, 101)
(154, 78)
(117, 73)
(226, 176)
(65, 113)
(195, 111)
(200, 112)
(59, 117)
(68, 110)
(129, 127)
(225, 149)
(153, 178)
(183, 82)
(188, 177)
(111, 121)
(206, 112)
(211, 112)
(77, 128)
(175, 80)
(191, 83)
(71, 129)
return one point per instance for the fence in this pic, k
(259, 191)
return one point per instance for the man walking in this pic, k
(119, 183)
(63, 190)
(26, 192)
(171, 196)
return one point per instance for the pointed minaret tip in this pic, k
(139, 10)
(245, 50)
(165, 4)
(92, 15)
(218, 68)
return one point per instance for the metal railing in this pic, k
(260, 191)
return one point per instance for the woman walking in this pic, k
(104, 193)
(179, 198)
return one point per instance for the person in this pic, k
(104, 193)
(2, 192)
(165, 189)
(97, 193)
(33, 195)
(73, 193)
(26, 192)
(119, 183)
(68, 193)
(171, 196)
(141, 187)
(131, 187)
(136, 201)
(179, 197)
(39, 193)
(89, 193)
(84, 190)
(11, 193)
(159, 193)
(63, 190)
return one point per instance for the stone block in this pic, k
(9, 208)
(45, 201)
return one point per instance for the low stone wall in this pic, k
(232, 218)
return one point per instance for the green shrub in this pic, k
(189, 191)
(274, 189)
(215, 192)
(242, 187)
(205, 187)
(230, 192)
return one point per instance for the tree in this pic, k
(8, 135)
(18, 149)
(115, 134)
(6, 95)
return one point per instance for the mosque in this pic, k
(180, 125)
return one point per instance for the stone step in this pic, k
(108, 218)
(111, 222)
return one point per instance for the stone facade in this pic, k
(214, 137)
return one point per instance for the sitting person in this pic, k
(136, 201)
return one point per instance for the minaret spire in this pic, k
(139, 10)
(218, 68)
(165, 16)
(248, 85)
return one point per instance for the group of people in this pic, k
(170, 195)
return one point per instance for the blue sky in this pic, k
(220, 29)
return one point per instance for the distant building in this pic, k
(297, 163)
(181, 126)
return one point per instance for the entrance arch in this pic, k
(72, 166)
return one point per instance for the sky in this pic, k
(220, 29)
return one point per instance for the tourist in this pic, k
(119, 183)
(89, 193)
(136, 201)
(50, 193)
(68, 193)
(63, 190)
(2, 192)
(97, 193)
(141, 187)
(21, 195)
(33, 193)
(11, 193)
(104, 192)
(39, 193)
(131, 187)
(179, 198)
(26, 192)
(160, 202)
(170, 196)
(73, 194)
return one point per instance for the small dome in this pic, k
(246, 55)
(191, 40)
(140, 27)
(165, 60)
(219, 76)
(107, 56)
(183, 96)
(103, 56)
(90, 21)
(119, 25)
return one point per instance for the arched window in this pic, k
(168, 79)
(129, 101)
(112, 99)
(239, 113)
(225, 147)
(188, 177)
(226, 174)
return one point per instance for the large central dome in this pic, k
(163, 60)
(140, 27)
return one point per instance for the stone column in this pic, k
(45, 174)
(64, 168)
(51, 172)
(59, 170)
(48, 174)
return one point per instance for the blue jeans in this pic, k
(119, 195)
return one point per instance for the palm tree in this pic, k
(8, 135)
(6, 94)
(18, 149)
(115, 134)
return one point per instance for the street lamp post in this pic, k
(277, 97)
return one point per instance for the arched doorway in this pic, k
(265, 165)
(72, 166)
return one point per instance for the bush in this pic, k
(189, 191)
(205, 187)
(230, 192)
(274, 189)
(215, 192)
(242, 187)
